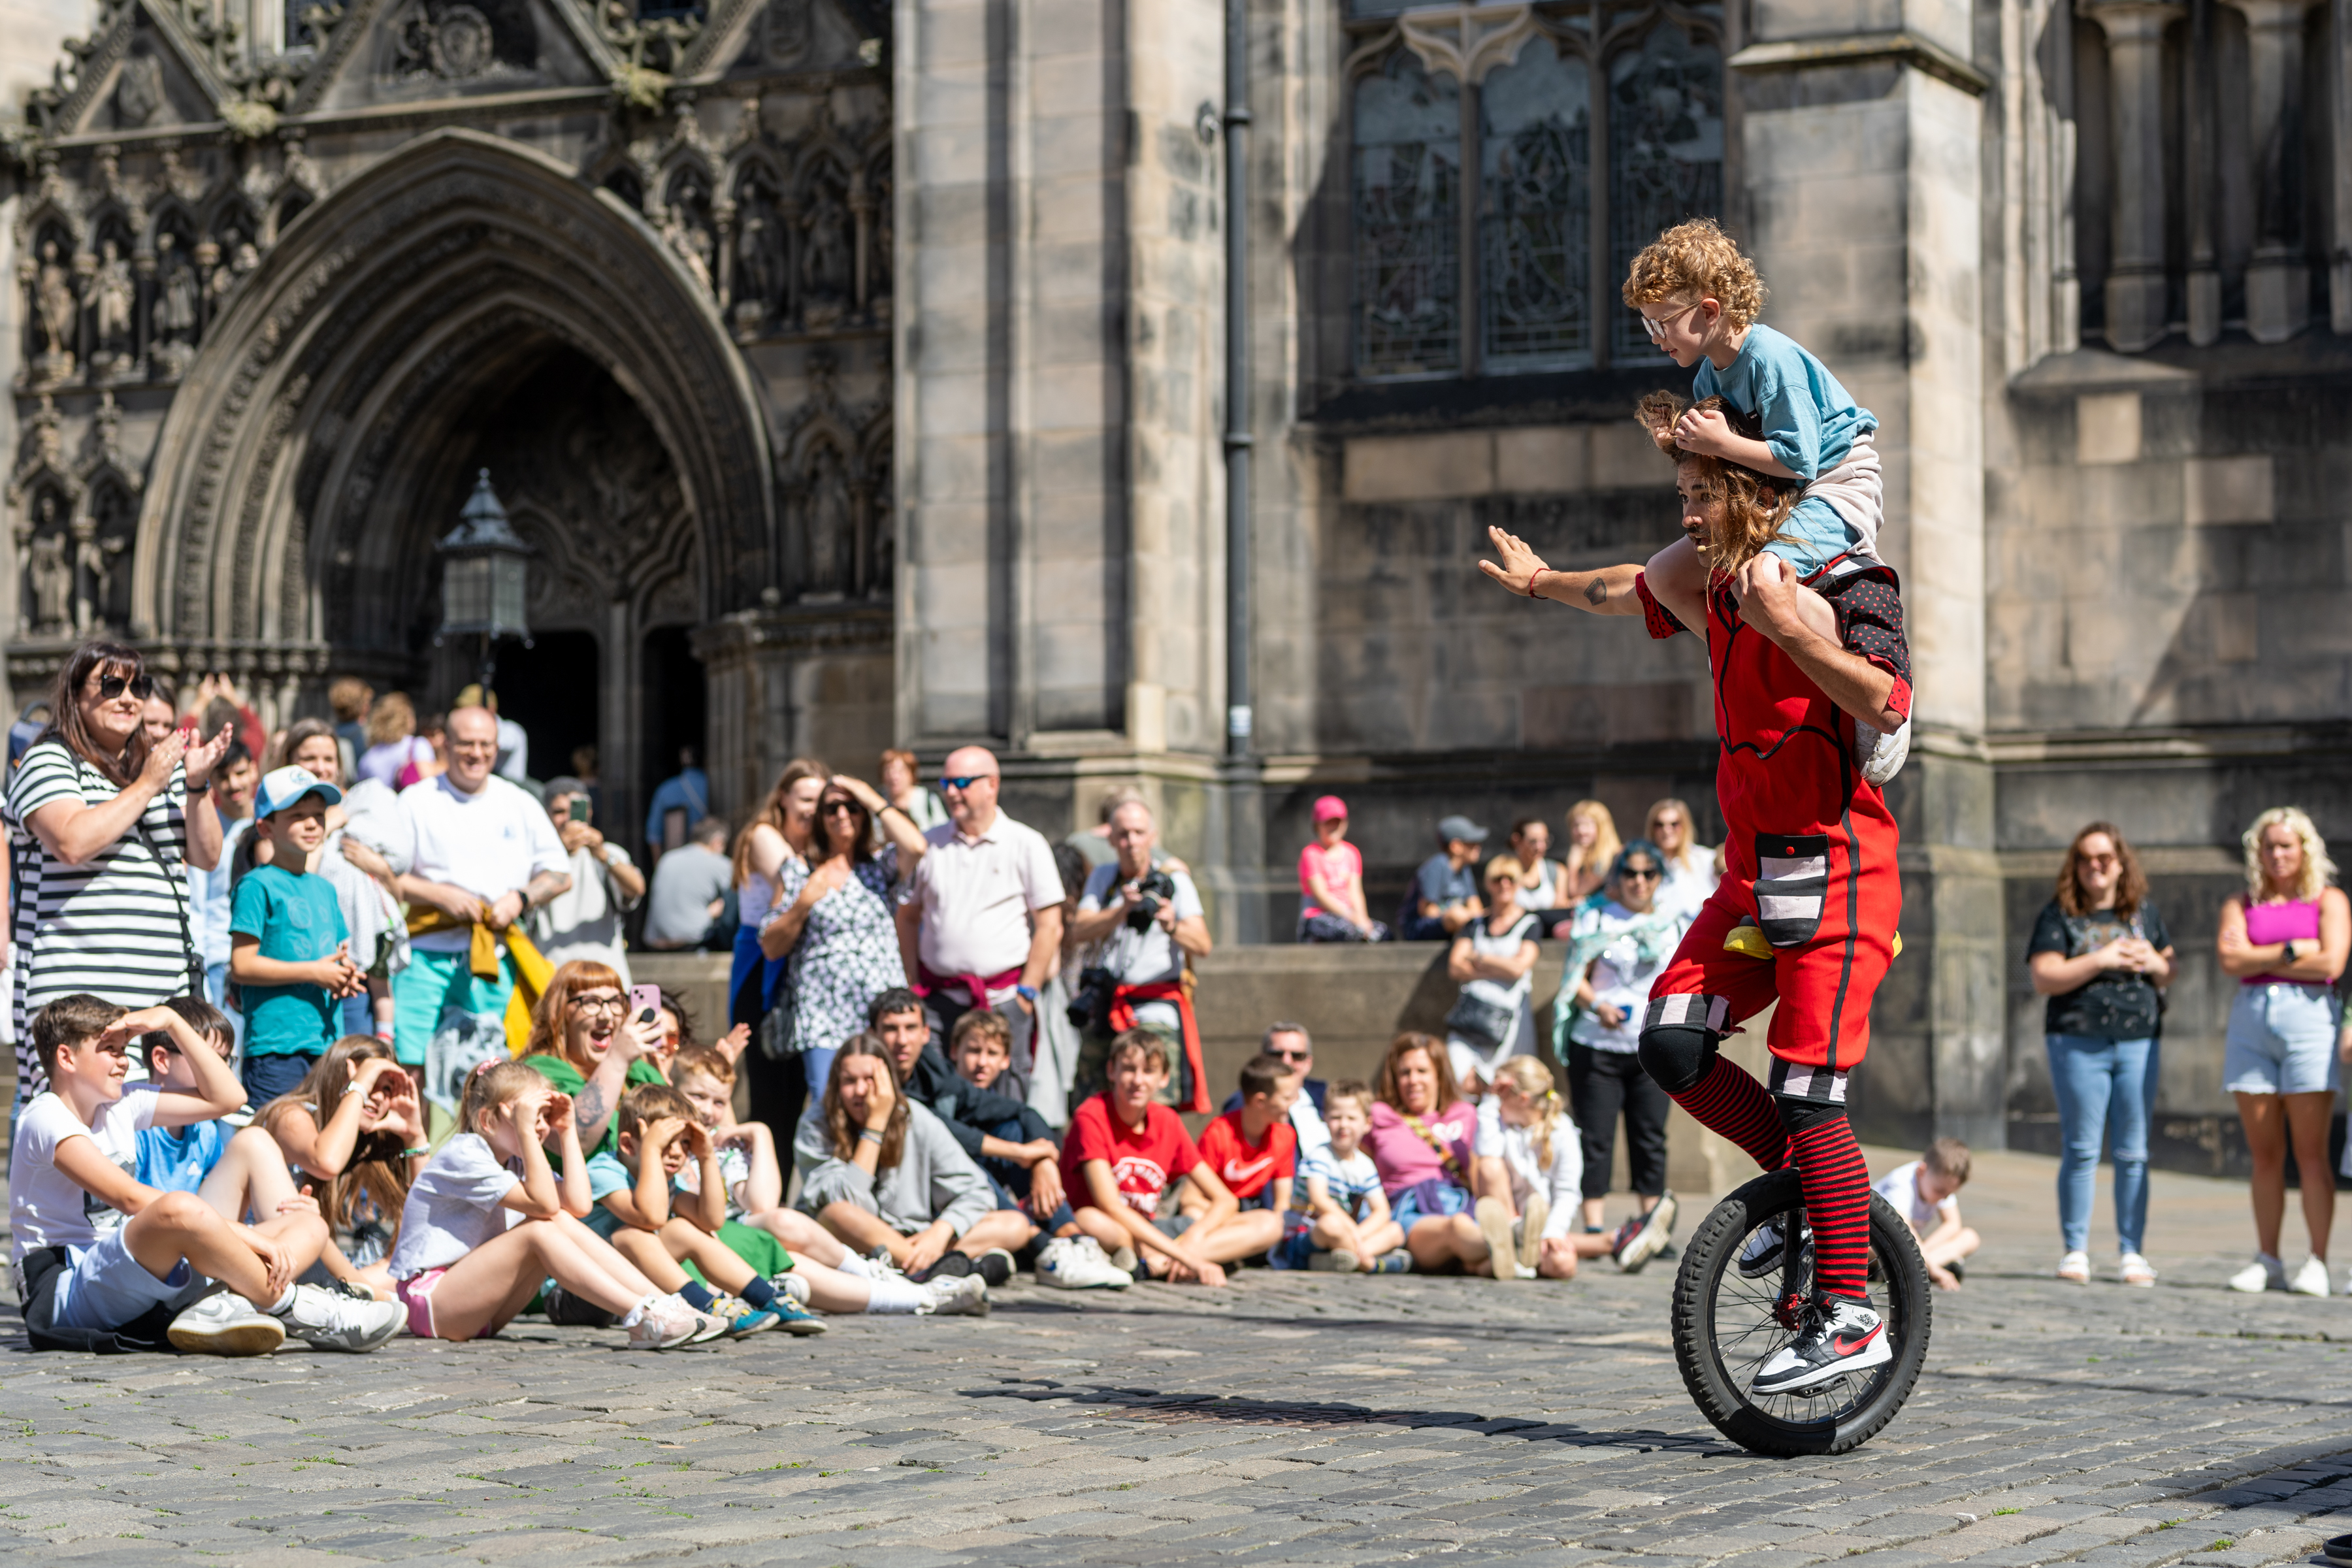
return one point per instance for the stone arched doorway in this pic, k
(463, 303)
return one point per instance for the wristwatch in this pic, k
(1026, 993)
(2290, 950)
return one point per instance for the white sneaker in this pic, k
(1078, 1263)
(792, 1287)
(1838, 1338)
(331, 1320)
(1879, 754)
(2311, 1280)
(964, 1295)
(1340, 1260)
(1532, 1220)
(226, 1324)
(2264, 1273)
(664, 1328)
(2076, 1269)
(1494, 1223)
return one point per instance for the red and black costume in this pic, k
(1808, 855)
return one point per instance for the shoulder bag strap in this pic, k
(196, 960)
(1453, 1166)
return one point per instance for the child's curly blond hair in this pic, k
(1754, 506)
(1693, 261)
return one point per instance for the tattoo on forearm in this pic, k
(1597, 591)
(588, 1109)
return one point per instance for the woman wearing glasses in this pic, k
(585, 1045)
(1617, 948)
(102, 896)
(2100, 953)
(832, 922)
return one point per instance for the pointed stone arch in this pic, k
(394, 290)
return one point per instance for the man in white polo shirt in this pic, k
(983, 918)
(483, 852)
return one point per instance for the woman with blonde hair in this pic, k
(1692, 868)
(1591, 848)
(1531, 1160)
(2285, 938)
(2101, 953)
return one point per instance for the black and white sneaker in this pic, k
(995, 1267)
(1762, 1254)
(1639, 1239)
(1836, 1338)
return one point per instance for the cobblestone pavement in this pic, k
(1540, 1424)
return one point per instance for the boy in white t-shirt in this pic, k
(99, 1254)
(1339, 1219)
(1926, 1193)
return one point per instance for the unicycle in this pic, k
(1727, 1325)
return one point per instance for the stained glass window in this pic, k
(1536, 213)
(1407, 189)
(1666, 153)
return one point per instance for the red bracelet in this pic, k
(1536, 577)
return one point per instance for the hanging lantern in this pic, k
(483, 567)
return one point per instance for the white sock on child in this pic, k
(283, 1305)
(851, 1263)
(636, 1314)
(892, 1294)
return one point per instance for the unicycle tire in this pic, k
(1726, 1326)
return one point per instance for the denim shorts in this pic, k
(2282, 1039)
(106, 1286)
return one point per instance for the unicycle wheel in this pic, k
(1727, 1323)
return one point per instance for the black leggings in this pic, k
(1601, 1085)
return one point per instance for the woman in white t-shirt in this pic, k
(1691, 868)
(1617, 948)
(1494, 962)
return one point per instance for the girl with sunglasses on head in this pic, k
(832, 921)
(101, 809)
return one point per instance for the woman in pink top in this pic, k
(1331, 883)
(1421, 1142)
(2285, 938)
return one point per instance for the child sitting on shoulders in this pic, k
(1254, 1150)
(634, 1186)
(107, 1262)
(1926, 1193)
(352, 1135)
(488, 1221)
(826, 1274)
(1338, 1220)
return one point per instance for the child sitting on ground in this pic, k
(1340, 1220)
(465, 1264)
(1254, 1149)
(634, 1186)
(982, 1055)
(1123, 1149)
(1530, 1160)
(1926, 1193)
(826, 1274)
(359, 1157)
(107, 1262)
(288, 951)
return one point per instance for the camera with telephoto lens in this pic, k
(1153, 889)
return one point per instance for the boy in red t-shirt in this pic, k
(1253, 1148)
(1122, 1151)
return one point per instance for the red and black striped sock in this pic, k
(1837, 1205)
(1728, 1101)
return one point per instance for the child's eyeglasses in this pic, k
(1656, 326)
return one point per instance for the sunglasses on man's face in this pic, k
(965, 782)
(111, 687)
(1641, 873)
(1292, 1055)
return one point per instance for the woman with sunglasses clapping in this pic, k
(101, 901)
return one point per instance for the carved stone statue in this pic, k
(831, 522)
(828, 259)
(693, 246)
(139, 92)
(176, 301)
(51, 575)
(115, 295)
(56, 304)
(758, 267)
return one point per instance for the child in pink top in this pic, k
(1331, 883)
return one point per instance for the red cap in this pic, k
(1330, 807)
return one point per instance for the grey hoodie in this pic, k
(934, 1180)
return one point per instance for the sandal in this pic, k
(2076, 1269)
(2134, 1269)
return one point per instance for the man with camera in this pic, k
(1143, 923)
(584, 920)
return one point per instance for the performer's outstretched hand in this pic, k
(1521, 566)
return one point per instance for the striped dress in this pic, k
(112, 926)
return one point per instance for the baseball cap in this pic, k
(282, 787)
(1329, 807)
(1450, 829)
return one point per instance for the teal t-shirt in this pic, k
(295, 918)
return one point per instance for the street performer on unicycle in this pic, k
(1801, 1315)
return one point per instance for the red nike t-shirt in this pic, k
(1248, 1168)
(1143, 1163)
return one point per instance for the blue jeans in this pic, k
(2105, 1086)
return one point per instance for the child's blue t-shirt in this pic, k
(178, 1159)
(1810, 421)
(295, 918)
(607, 1175)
